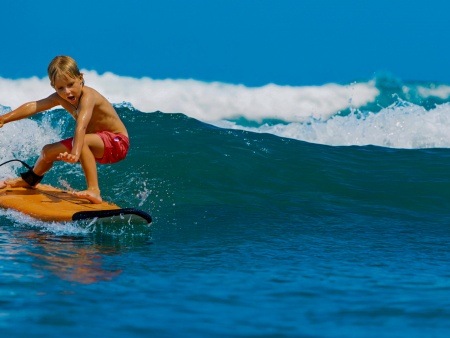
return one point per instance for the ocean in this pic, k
(278, 211)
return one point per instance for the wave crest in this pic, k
(208, 101)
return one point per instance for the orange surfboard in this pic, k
(47, 203)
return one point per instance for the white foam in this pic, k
(441, 91)
(58, 228)
(16, 92)
(398, 126)
(208, 101)
(22, 140)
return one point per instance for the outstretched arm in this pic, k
(29, 109)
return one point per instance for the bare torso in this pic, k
(104, 117)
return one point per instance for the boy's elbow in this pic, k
(30, 107)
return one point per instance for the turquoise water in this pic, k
(254, 234)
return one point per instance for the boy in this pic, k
(100, 135)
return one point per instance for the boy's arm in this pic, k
(86, 109)
(29, 109)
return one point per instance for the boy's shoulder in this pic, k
(91, 96)
(92, 93)
(89, 90)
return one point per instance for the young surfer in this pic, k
(100, 135)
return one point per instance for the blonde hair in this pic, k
(63, 65)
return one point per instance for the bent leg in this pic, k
(49, 155)
(93, 148)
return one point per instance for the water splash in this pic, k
(401, 125)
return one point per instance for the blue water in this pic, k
(341, 234)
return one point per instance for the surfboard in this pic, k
(48, 203)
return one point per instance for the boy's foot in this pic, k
(14, 183)
(90, 195)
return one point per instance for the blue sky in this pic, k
(253, 42)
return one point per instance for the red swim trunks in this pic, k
(116, 146)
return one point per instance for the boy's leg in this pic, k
(44, 163)
(93, 148)
(49, 155)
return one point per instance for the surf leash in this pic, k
(16, 160)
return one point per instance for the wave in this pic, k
(383, 111)
(178, 167)
(208, 101)
(401, 125)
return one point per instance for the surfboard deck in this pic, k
(48, 203)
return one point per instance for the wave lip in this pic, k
(402, 125)
(208, 101)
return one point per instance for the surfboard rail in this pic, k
(82, 215)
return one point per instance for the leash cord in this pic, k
(16, 160)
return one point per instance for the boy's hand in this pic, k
(67, 157)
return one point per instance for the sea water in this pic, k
(315, 211)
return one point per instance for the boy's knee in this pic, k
(44, 153)
(47, 153)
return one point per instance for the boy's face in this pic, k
(69, 88)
